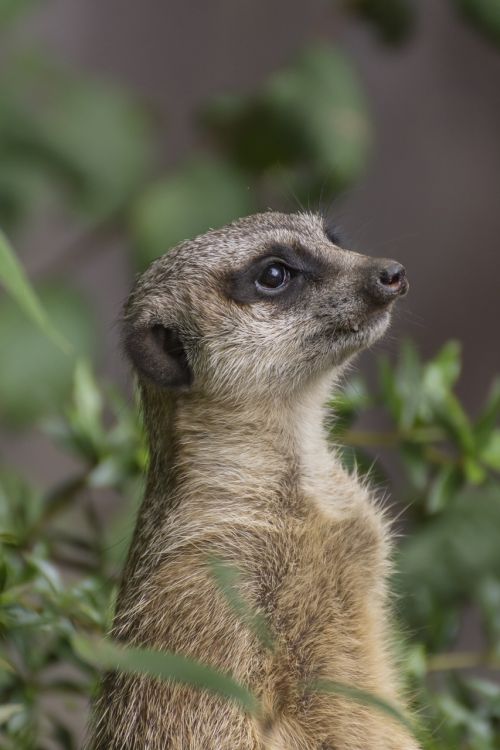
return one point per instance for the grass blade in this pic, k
(166, 666)
(228, 579)
(364, 697)
(14, 279)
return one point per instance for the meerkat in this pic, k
(237, 338)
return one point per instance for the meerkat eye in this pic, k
(274, 276)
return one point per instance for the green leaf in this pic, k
(408, 383)
(444, 488)
(459, 715)
(416, 464)
(86, 394)
(8, 710)
(47, 572)
(416, 661)
(19, 509)
(488, 691)
(491, 452)
(473, 471)
(166, 666)
(450, 414)
(440, 566)
(85, 414)
(35, 376)
(489, 417)
(442, 372)
(14, 279)
(401, 386)
(439, 404)
(202, 194)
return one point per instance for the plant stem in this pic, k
(462, 660)
(359, 438)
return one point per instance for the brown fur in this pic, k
(241, 470)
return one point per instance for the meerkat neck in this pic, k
(234, 450)
(263, 450)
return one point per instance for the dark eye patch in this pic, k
(302, 266)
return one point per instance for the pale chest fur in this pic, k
(275, 501)
(311, 549)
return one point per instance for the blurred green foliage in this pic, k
(484, 15)
(58, 569)
(308, 121)
(25, 351)
(84, 149)
(202, 193)
(81, 142)
(393, 20)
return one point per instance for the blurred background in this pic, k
(126, 127)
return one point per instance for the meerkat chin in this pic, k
(235, 337)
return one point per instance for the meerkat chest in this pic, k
(327, 486)
(330, 583)
(321, 477)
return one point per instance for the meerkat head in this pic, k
(257, 309)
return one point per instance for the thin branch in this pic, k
(463, 660)
(362, 438)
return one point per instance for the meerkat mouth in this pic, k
(354, 335)
(363, 332)
(371, 322)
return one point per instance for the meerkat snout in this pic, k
(257, 307)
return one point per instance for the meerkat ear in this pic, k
(158, 354)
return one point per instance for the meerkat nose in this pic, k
(393, 276)
(388, 281)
